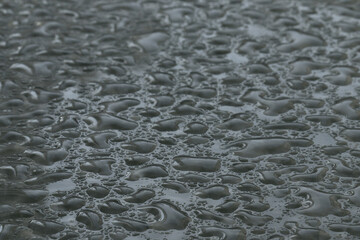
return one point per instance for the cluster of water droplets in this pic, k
(231, 119)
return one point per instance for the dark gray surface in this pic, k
(179, 119)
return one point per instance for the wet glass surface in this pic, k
(205, 119)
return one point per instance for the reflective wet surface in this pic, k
(232, 119)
